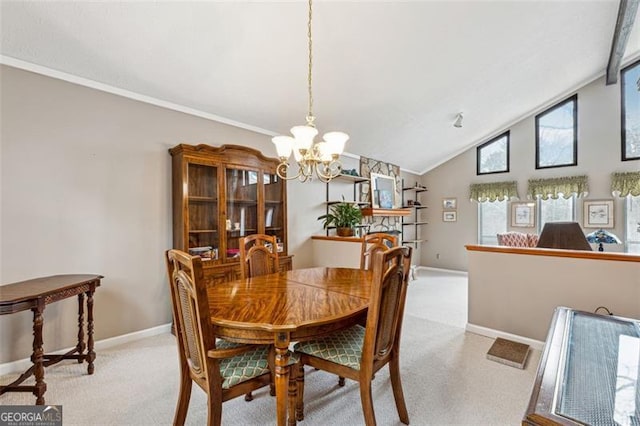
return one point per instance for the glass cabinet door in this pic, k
(242, 208)
(202, 202)
(274, 213)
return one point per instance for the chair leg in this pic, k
(300, 395)
(271, 359)
(398, 394)
(184, 396)
(367, 403)
(292, 399)
(340, 381)
(214, 409)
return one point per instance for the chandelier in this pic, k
(321, 158)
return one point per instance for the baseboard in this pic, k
(490, 332)
(451, 271)
(22, 365)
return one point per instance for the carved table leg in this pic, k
(282, 378)
(80, 347)
(91, 355)
(38, 353)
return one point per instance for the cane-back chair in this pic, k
(373, 243)
(358, 352)
(258, 255)
(224, 370)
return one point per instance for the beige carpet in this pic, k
(446, 376)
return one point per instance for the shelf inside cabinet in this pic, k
(203, 231)
(244, 202)
(198, 199)
(385, 212)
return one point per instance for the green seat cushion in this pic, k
(246, 366)
(342, 347)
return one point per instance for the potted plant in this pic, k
(344, 216)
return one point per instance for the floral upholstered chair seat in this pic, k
(517, 239)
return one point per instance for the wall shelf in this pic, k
(414, 222)
(368, 211)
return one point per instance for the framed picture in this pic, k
(449, 203)
(598, 214)
(523, 215)
(449, 216)
(384, 191)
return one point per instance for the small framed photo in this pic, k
(449, 203)
(449, 216)
(598, 214)
(384, 191)
(523, 215)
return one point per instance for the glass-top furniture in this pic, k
(589, 372)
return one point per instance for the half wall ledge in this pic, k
(516, 289)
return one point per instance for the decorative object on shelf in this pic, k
(449, 203)
(344, 216)
(598, 214)
(320, 157)
(603, 237)
(450, 216)
(523, 214)
(351, 172)
(384, 190)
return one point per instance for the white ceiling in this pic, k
(391, 74)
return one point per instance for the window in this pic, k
(557, 135)
(558, 210)
(492, 219)
(493, 156)
(632, 224)
(630, 77)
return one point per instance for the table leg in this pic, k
(91, 355)
(80, 347)
(38, 352)
(282, 377)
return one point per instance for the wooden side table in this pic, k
(35, 294)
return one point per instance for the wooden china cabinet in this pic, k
(221, 194)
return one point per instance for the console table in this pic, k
(589, 372)
(35, 294)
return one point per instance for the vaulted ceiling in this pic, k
(391, 74)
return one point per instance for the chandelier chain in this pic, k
(310, 117)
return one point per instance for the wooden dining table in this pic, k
(286, 307)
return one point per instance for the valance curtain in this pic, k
(563, 187)
(493, 191)
(623, 184)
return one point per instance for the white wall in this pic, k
(86, 188)
(598, 156)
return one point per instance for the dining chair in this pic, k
(373, 243)
(223, 370)
(258, 255)
(358, 352)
